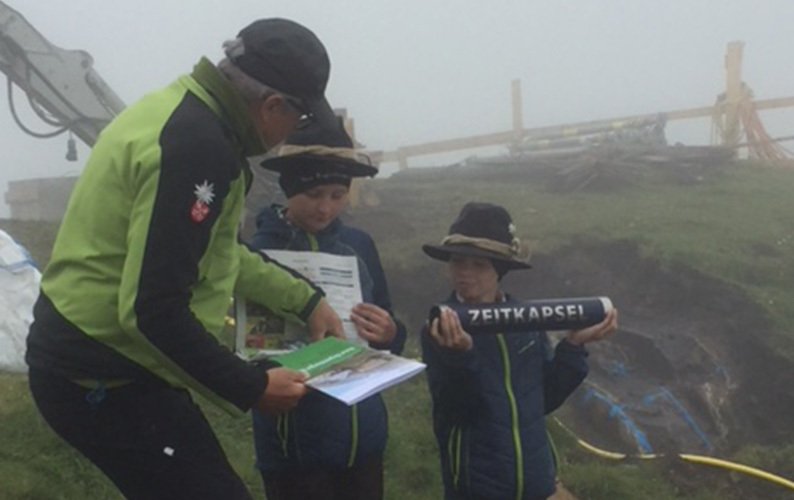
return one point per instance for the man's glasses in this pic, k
(299, 106)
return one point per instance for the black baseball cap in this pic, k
(289, 58)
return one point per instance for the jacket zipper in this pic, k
(514, 417)
(353, 435)
(282, 426)
(315, 247)
(453, 452)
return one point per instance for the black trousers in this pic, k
(363, 481)
(151, 440)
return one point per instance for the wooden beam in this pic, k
(780, 102)
(500, 138)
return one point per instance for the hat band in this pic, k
(320, 150)
(510, 251)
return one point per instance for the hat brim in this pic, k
(299, 161)
(444, 252)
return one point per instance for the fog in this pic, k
(416, 71)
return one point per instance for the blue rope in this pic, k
(616, 410)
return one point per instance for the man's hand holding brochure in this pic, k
(347, 369)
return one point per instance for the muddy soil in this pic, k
(688, 368)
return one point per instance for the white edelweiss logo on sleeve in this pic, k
(205, 193)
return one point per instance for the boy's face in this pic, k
(474, 278)
(314, 209)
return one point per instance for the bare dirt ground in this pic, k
(687, 368)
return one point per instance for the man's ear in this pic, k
(272, 104)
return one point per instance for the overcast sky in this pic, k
(412, 71)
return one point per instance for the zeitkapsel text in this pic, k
(525, 314)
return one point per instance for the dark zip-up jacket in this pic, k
(321, 431)
(489, 405)
(147, 257)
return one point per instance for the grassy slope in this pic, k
(734, 225)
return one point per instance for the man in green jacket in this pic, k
(147, 259)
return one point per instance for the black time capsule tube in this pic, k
(529, 315)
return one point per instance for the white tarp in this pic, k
(19, 288)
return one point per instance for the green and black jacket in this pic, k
(147, 256)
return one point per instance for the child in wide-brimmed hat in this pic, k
(324, 449)
(491, 392)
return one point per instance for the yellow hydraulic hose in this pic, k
(698, 459)
(744, 469)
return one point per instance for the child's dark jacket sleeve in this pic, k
(563, 373)
(452, 376)
(367, 251)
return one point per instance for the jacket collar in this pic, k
(274, 222)
(455, 299)
(232, 106)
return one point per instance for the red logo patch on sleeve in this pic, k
(205, 193)
(199, 211)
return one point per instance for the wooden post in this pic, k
(518, 117)
(402, 158)
(734, 94)
(355, 184)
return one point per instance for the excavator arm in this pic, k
(61, 85)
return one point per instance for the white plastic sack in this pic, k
(19, 289)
